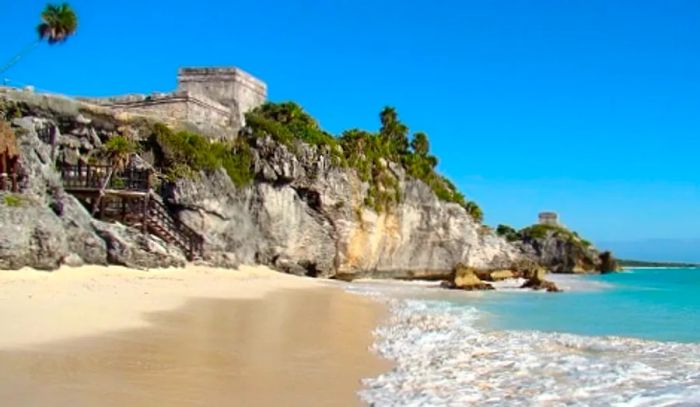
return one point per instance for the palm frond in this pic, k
(58, 23)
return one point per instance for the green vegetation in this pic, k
(58, 23)
(13, 201)
(117, 151)
(369, 153)
(287, 122)
(507, 233)
(540, 232)
(639, 263)
(184, 153)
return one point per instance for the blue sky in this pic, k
(590, 108)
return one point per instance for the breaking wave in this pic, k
(443, 357)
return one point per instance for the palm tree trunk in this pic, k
(19, 56)
(103, 190)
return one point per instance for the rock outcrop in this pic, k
(306, 216)
(44, 227)
(560, 250)
(302, 213)
(466, 278)
(537, 281)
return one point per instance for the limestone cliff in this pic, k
(559, 250)
(302, 212)
(307, 216)
(43, 226)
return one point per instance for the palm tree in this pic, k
(117, 151)
(393, 132)
(58, 23)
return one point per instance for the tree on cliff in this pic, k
(420, 144)
(393, 131)
(58, 23)
(118, 151)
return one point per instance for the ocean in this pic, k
(626, 339)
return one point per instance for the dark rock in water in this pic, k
(538, 282)
(528, 269)
(465, 278)
(608, 264)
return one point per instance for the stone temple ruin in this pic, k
(206, 97)
(549, 219)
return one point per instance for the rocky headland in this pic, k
(281, 193)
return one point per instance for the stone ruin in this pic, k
(549, 219)
(210, 98)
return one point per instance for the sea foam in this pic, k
(443, 357)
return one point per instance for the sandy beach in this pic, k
(111, 336)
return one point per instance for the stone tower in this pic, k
(232, 87)
(549, 218)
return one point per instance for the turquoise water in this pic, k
(658, 304)
(627, 339)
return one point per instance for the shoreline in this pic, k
(183, 336)
(445, 354)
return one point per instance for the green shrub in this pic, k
(117, 151)
(366, 152)
(507, 232)
(541, 231)
(13, 201)
(184, 154)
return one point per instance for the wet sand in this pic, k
(261, 339)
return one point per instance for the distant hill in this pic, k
(639, 263)
(656, 250)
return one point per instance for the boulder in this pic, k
(465, 278)
(30, 234)
(608, 263)
(500, 275)
(538, 282)
(130, 248)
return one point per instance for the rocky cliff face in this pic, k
(43, 226)
(562, 251)
(306, 216)
(302, 214)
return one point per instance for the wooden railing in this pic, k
(159, 219)
(8, 182)
(9, 167)
(93, 176)
(144, 210)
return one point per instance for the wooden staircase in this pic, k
(159, 222)
(129, 199)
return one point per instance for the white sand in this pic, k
(37, 307)
(113, 337)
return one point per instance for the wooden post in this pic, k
(87, 176)
(102, 208)
(144, 220)
(3, 171)
(80, 171)
(15, 185)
